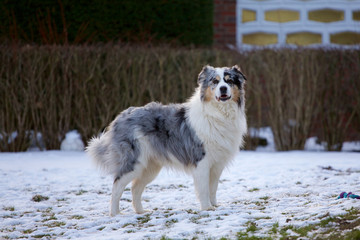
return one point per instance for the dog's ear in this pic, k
(237, 69)
(204, 74)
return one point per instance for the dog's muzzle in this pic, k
(223, 94)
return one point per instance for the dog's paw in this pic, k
(214, 203)
(142, 211)
(208, 208)
(114, 213)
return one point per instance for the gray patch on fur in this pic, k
(166, 128)
(205, 77)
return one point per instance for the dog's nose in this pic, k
(223, 90)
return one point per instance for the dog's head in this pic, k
(222, 84)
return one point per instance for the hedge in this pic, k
(53, 89)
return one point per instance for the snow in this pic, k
(264, 187)
(311, 144)
(72, 142)
(264, 132)
(289, 188)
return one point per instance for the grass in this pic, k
(28, 231)
(62, 199)
(38, 236)
(144, 219)
(78, 217)
(265, 198)
(246, 236)
(48, 215)
(11, 209)
(55, 224)
(171, 222)
(80, 192)
(274, 229)
(195, 219)
(39, 198)
(164, 238)
(254, 190)
(252, 227)
(190, 211)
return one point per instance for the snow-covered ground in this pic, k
(266, 189)
(60, 194)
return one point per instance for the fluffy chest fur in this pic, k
(220, 126)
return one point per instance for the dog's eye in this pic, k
(215, 81)
(230, 81)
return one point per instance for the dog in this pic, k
(200, 136)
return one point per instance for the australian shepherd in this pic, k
(200, 136)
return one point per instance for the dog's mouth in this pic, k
(223, 98)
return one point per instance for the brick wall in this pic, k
(225, 23)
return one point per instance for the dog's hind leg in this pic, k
(139, 184)
(118, 189)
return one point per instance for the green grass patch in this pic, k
(190, 211)
(195, 219)
(163, 237)
(28, 231)
(8, 229)
(265, 198)
(171, 222)
(128, 224)
(144, 219)
(62, 199)
(303, 231)
(78, 217)
(38, 236)
(11, 209)
(274, 229)
(246, 236)
(80, 192)
(252, 227)
(48, 215)
(39, 198)
(55, 224)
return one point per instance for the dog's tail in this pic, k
(101, 154)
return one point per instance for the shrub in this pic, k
(339, 98)
(291, 90)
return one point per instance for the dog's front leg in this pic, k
(201, 175)
(215, 173)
